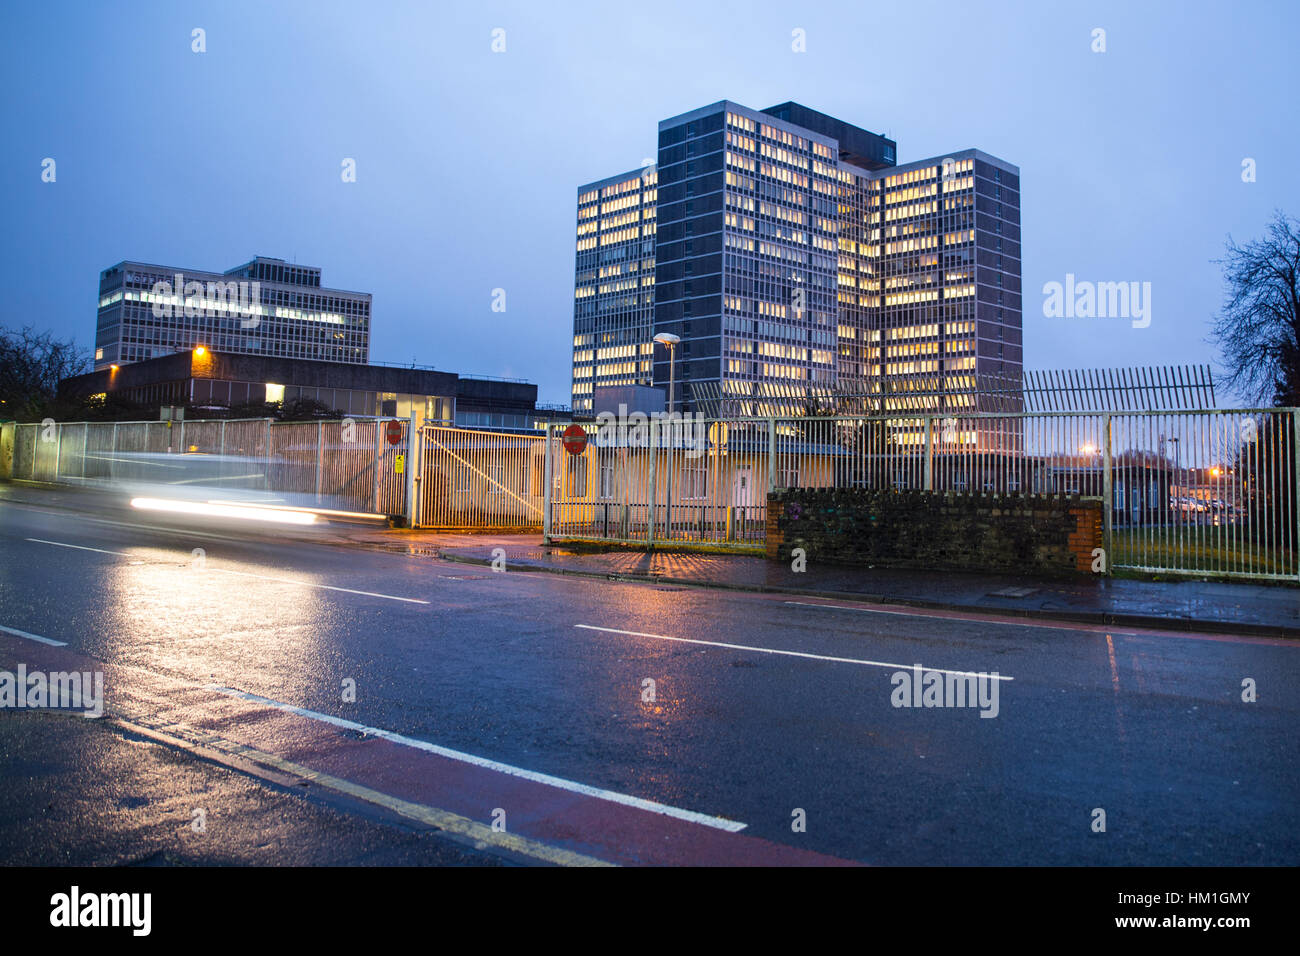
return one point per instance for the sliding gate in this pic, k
(480, 480)
(682, 481)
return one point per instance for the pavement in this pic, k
(1266, 610)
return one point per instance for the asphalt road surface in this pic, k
(321, 704)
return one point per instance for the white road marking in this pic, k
(771, 650)
(718, 823)
(33, 637)
(79, 547)
(482, 835)
(928, 612)
(246, 574)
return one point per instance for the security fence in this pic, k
(1190, 492)
(345, 465)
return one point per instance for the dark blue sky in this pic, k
(468, 161)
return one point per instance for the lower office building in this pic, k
(263, 307)
(211, 383)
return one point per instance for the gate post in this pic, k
(320, 457)
(771, 456)
(626, 531)
(548, 486)
(412, 463)
(1295, 486)
(927, 479)
(269, 463)
(1107, 495)
(650, 491)
(378, 464)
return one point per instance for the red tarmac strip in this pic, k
(576, 822)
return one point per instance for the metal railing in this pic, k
(1202, 492)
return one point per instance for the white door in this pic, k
(742, 486)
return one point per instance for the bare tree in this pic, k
(1259, 327)
(32, 364)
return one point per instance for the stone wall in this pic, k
(1034, 534)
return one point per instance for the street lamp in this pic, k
(670, 340)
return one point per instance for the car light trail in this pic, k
(273, 515)
(328, 512)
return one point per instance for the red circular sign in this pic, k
(394, 433)
(575, 440)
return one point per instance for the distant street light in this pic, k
(670, 340)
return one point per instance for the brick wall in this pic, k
(1036, 534)
(775, 536)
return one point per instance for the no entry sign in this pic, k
(394, 432)
(575, 440)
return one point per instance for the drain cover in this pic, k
(1013, 592)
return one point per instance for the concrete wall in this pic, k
(1035, 534)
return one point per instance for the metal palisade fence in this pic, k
(1191, 492)
(347, 464)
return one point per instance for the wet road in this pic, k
(523, 698)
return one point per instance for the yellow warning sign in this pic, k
(399, 464)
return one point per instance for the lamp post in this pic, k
(669, 340)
